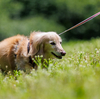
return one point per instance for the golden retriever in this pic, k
(16, 52)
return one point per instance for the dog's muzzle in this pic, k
(63, 53)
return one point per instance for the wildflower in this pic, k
(97, 52)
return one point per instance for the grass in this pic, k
(76, 76)
(10, 27)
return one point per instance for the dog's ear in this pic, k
(34, 48)
(36, 44)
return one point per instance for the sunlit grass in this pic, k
(76, 76)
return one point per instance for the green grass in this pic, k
(25, 26)
(76, 76)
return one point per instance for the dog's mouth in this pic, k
(60, 57)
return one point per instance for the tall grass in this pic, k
(76, 76)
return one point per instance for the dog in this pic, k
(17, 52)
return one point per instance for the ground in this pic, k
(76, 76)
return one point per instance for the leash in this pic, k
(84, 21)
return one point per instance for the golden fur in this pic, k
(16, 52)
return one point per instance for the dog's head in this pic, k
(48, 44)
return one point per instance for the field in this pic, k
(76, 76)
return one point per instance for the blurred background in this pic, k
(25, 16)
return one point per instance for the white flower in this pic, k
(85, 61)
(97, 52)
(17, 81)
(96, 49)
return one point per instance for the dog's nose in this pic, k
(63, 53)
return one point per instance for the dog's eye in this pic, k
(52, 43)
(60, 42)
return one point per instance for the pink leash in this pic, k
(84, 21)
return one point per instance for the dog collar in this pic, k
(28, 47)
(30, 58)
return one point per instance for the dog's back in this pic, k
(7, 52)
